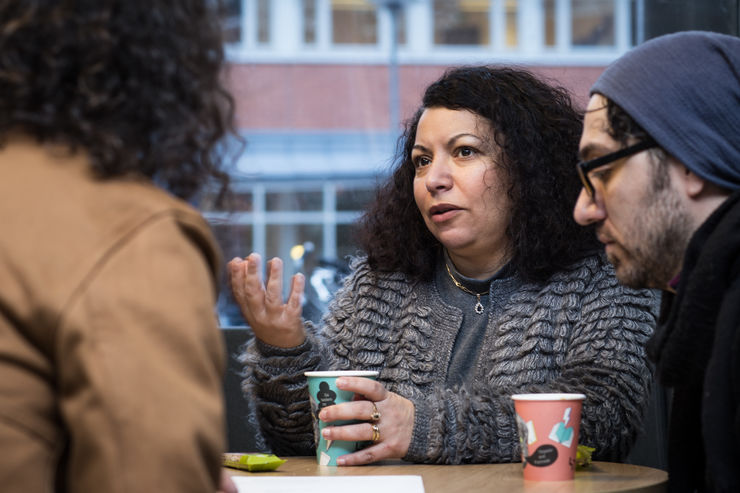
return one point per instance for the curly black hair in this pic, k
(138, 85)
(622, 127)
(537, 128)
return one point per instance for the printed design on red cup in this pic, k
(561, 432)
(544, 455)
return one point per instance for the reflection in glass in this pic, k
(281, 238)
(461, 22)
(346, 244)
(309, 21)
(593, 22)
(235, 240)
(353, 199)
(549, 11)
(512, 32)
(232, 21)
(294, 200)
(354, 22)
(263, 21)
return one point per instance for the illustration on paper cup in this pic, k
(527, 436)
(544, 455)
(561, 432)
(326, 396)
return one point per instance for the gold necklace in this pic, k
(478, 306)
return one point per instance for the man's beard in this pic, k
(657, 241)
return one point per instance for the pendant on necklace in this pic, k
(478, 306)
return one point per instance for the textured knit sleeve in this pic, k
(583, 332)
(274, 376)
(274, 381)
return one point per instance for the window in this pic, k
(461, 22)
(593, 23)
(316, 98)
(307, 224)
(354, 22)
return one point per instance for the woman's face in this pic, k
(458, 187)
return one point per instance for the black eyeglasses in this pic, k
(585, 167)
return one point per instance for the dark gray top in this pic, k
(495, 292)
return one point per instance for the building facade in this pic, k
(323, 86)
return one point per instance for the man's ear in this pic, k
(692, 184)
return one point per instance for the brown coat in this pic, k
(110, 356)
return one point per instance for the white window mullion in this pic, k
(249, 24)
(622, 25)
(329, 227)
(323, 24)
(563, 25)
(259, 228)
(419, 27)
(497, 25)
(286, 32)
(530, 24)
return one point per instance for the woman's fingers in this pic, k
(274, 284)
(371, 389)
(297, 286)
(271, 320)
(387, 420)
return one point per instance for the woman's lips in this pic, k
(443, 212)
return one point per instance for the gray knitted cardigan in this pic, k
(579, 332)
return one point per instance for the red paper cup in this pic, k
(548, 433)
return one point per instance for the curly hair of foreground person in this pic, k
(537, 129)
(135, 84)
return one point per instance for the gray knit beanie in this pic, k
(684, 90)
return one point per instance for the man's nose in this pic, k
(588, 210)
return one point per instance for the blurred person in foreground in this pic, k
(475, 284)
(661, 175)
(111, 359)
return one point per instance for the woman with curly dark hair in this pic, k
(111, 359)
(475, 285)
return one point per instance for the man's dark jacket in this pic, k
(697, 352)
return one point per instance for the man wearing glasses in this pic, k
(661, 184)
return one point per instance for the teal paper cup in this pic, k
(323, 392)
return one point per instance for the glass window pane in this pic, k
(401, 26)
(353, 199)
(235, 240)
(309, 21)
(346, 244)
(593, 22)
(294, 201)
(549, 6)
(232, 20)
(461, 22)
(241, 202)
(233, 201)
(354, 22)
(512, 32)
(281, 238)
(263, 21)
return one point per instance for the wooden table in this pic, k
(599, 477)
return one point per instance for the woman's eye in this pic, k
(466, 151)
(421, 161)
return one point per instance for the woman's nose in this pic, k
(439, 175)
(588, 210)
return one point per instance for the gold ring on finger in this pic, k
(376, 433)
(375, 416)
